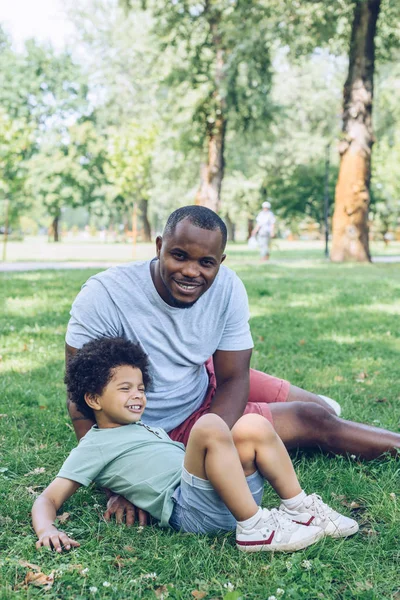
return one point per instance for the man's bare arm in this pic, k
(81, 423)
(232, 373)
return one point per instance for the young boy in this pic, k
(216, 485)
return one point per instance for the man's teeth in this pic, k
(134, 407)
(187, 286)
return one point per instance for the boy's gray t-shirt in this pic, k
(123, 302)
(136, 461)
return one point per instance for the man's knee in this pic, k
(319, 422)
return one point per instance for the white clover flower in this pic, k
(149, 576)
(289, 565)
(280, 592)
(353, 456)
(106, 584)
(272, 598)
(93, 589)
(229, 586)
(306, 564)
(85, 571)
(140, 528)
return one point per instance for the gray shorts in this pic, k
(199, 509)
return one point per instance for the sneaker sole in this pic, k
(290, 547)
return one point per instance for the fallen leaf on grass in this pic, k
(36, 471)
(64, 517)
(39, 580)
(160, 591)
(338, 378)
(302, 342)
(121, 562)
(32, 490)
(361, 377)
(364, 585)
(25, 348)
(25, 563)
(198, 594)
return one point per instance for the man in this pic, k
(183, 307)
(264, 229)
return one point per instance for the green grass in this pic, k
(316, 324)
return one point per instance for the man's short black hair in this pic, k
(92, 367)
(200, 216)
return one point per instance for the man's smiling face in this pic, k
(189, 260)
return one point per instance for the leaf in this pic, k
(25, 563)
(302, 342)
(361, 377)
(160, 591)
(338, 378)
(198, 594)
(36, 471)
(64, 517)
(39, 580)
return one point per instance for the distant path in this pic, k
(55, 266)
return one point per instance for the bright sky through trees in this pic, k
(41, 19)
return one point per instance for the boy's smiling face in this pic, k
(122, 401)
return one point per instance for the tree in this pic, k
(350, 219)
(128, 170)
(68, 170)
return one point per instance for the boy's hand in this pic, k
(56, 540)
(120, 507)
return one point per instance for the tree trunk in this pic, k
(143, 205)
(231, 227)
(212, 173)
(250, 227)
(350, 219)
(54, 225)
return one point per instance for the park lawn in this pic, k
(333, 329)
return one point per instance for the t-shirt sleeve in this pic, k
(236, 335)
(93, 315)
(83, 464)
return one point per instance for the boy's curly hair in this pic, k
(91, 369)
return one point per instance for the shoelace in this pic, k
(279, 520)
(322, 510)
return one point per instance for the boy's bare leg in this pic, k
(225, 458)
(260, 448)
(211, 454)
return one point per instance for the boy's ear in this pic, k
(92, 400)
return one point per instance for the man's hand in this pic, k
(122, 508)
(56, 540)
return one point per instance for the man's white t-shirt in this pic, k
(123, 302)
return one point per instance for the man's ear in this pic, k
(92, 400)
(158, 245)
(223, 257)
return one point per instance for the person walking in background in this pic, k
(264, 229)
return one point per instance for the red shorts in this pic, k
(264, 390)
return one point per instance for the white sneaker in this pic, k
(276, 532)
(333, 404)
(313, 511)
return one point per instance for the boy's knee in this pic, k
(211, 426)
(253, 427)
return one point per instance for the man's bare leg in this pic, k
(309, 425)
(297, 394)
